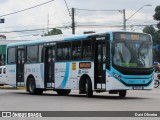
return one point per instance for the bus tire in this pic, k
(31, 87)
(88, 88)
(156, 83)
(63, 92)
(122, 93)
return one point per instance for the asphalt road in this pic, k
(20, 100)
(17, 100)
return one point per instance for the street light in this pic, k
(124, 16)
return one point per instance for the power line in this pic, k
(68, 9)
(30, 30)
(102, 26)
(37, 26)
(23, 35)
(81, 26)
(97, 10)
(26, 9)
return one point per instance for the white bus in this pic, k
(111, 61)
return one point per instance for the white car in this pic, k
(3, 76)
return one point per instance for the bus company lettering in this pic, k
(60, 70)
(83, 72)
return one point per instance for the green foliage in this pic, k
(156, 16)
(155, 34)
(54, 31)
(156, 40)
(150, 30)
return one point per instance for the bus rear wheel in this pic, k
(31, 87)
(63, 92)
(122, 93)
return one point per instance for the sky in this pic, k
(56, 15)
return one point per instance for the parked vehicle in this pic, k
(3, 75)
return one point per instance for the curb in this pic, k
(10, 87)
(4, 87)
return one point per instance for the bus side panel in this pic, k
(37, 71)
(73, 77)
(11, 75)
(113, 84)
(68, 74)
(62, 71)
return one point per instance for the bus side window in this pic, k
(11, 56)
(32, 53)
(76, 50)
(87, 49)
(64, 51)
(4, 71)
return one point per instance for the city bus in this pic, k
(111, 62)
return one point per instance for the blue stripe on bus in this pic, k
(75, 37)
(65, 79)
(136, 81)
(132, 79)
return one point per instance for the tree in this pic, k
(155, 34)
(54, 31)
(156, 16)
(152, 31)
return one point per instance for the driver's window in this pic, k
(116, 56)
(144, 55)
(122, 55)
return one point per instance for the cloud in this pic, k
(59, 16)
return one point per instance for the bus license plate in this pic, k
(137, 88)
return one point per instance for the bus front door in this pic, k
(49, 66)
(100, 65)
(20, 68)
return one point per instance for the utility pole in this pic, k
(124, 15)
(124, 20)
(73, 21)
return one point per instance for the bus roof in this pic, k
(60, 37)
(50, 39)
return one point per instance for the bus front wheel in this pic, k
(122, 93)
(88, 88)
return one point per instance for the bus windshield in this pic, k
(132, 53)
